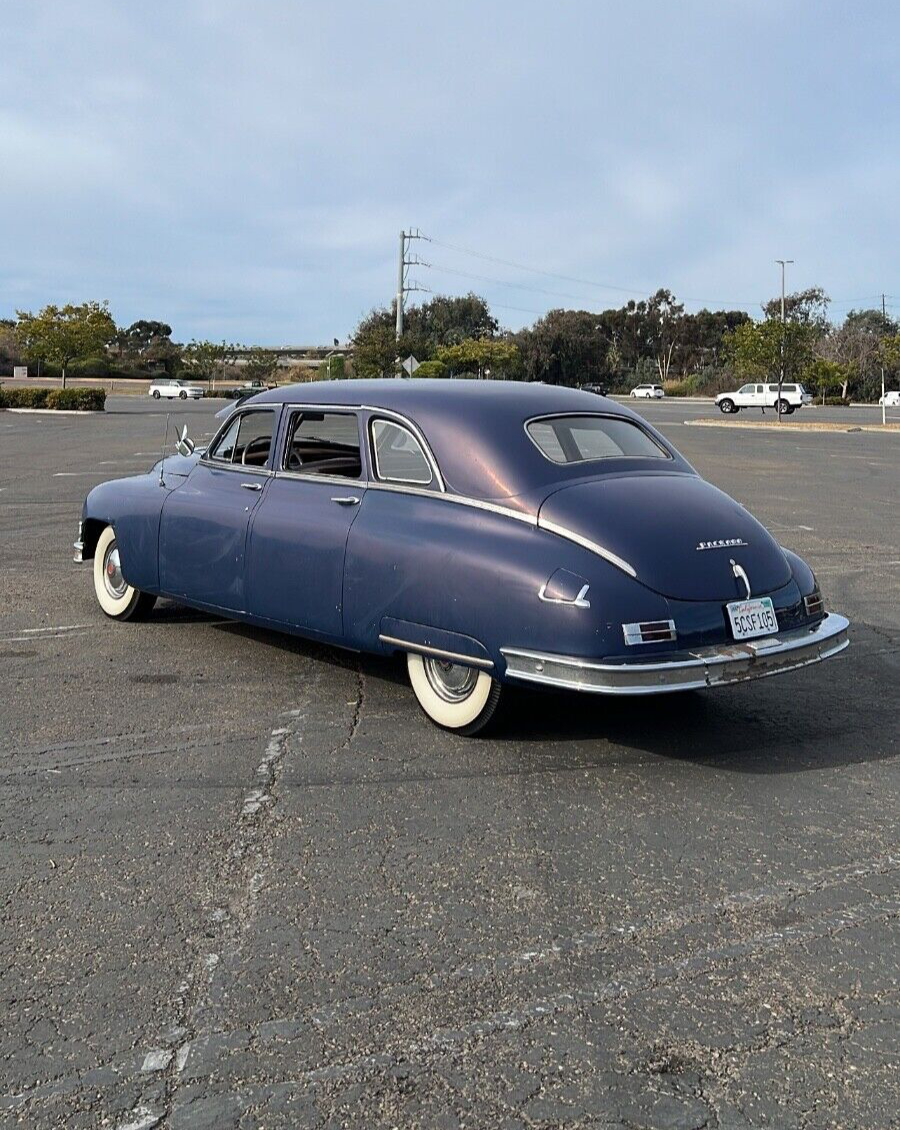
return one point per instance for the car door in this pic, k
(299, 535)
(205, 521)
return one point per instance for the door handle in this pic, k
(252, 486)
(346, 500)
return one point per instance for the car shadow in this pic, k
(834, 714)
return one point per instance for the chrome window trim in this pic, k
(211, 461)
(424, 649)
(331, 480)
(390, 414)
(666, 454)
(373, 420)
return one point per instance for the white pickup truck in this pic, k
(764, 396)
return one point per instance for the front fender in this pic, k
(132, 506)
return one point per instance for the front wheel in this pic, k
(118, 599)
(454, 696)
(726, 406)
(156, 394)
(182, 395)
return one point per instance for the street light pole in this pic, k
(783, 263)
(883, 405)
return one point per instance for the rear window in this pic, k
(579, 439)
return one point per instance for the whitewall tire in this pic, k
(456, 697)
(116, 597)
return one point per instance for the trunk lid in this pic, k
(669, 528)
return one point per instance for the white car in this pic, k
(172, 389)
(649, 392)
(890, 399)
(764, 396)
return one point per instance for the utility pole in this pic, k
(402, 264)
(883, 406)
(783, 262)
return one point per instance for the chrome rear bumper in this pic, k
(694, 670)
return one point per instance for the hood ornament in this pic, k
(741, 575)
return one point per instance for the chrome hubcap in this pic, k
(452, 682)
(116, 585)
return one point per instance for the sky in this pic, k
(241, 170)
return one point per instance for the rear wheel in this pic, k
(118, 599)
(782, 407)
(454, 696)
(726, 406)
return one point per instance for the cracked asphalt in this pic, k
(244, 883)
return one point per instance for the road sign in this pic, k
(410, 364)
(20, 372)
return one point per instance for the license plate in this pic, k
(751, 618)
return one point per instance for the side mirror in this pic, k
(184, 445)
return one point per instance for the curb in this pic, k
(799, 428)
(56, 411)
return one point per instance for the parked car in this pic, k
(890, 399)
(764, 396)
(649, 392)
(175, 389)
(491, 532)
(248, 388)
(597, 390)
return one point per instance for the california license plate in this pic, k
(751, 618)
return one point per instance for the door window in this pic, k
(247, 440)
(399, 457)
(746, 390)
(323, 443)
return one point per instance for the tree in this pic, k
(207, 359)
(438, 322)
(855, 347)
(481, 356)
(260, 364)
(63, 334)
(826, 376)
(145, 342)
(808, 307)
(565, 347)
(755, 350)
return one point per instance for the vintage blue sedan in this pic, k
(492, 532)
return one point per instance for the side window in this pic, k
(247, 440)
(223, 448)
(399, 457)
(747, 390)
(323, 443)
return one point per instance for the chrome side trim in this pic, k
(706, 667)
(586, 543)
(423, 649)
(579, 601)
(458, 499)
(241, 468)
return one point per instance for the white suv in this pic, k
(180, 389)
(650, 392)
(890, 399)
(764, 396)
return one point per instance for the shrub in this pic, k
(83, 399)
(23, 397)
(836, 401)
(431, 369)
(90, 367)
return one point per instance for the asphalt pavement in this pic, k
(247, 884)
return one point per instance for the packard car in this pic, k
(491, 532)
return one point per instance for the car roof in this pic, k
(476, 428)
